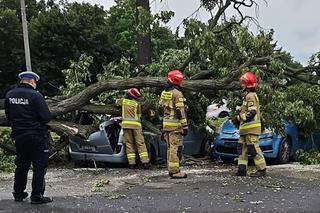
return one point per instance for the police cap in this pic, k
(29, 74)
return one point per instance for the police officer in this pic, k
(28, 114)
(250, 128)
(174, 125)
(132, 129)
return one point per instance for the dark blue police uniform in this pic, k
(28, 114)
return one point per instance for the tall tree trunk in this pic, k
(143, 36)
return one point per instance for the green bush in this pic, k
(309, 158)
(6, 161)
(5, 137)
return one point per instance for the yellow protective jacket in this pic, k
(172, 108)
(131, 113)
(253, 125)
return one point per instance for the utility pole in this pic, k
(25, 34)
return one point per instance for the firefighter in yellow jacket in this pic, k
(174, 122)
(132, 129)
(250, 128)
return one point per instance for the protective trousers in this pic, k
(250, 145)
(31, 149)
(133, 139)
(174, 150)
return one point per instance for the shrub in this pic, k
(6, 161)
(308, 157)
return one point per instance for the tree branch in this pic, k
(222, 8)
(205, 74)
(102, 109)
(193, 54)
(253, 61)
(80, 100)
(72, 129)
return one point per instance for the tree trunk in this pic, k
(143, 38)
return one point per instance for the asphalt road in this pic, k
(208, 188)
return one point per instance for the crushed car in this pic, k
(106, 145)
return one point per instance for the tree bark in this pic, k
(72, 129)
(143, 38)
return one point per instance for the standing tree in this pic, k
(143, 21)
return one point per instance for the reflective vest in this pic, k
(173, 108)
(131, 113)
(253, 126)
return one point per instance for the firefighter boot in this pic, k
(242, 170)
(178, 175)
(132, 166)
(259, 173)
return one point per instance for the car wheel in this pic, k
(204, 150)
(284, 151)
(206, 147)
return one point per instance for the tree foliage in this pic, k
(92, 44)
(11, 56)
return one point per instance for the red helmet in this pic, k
(175, 77)
(249, 79)
(134, 93)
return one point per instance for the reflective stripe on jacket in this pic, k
(253, 126)
(131, 113)
(171, 104)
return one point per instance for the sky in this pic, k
(296, 23)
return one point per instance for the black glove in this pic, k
(250, 115)
(185, 131)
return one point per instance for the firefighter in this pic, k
(174, 122)
(250, 128)
(132, 129)
(28, 115)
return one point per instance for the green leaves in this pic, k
(99, 185)
(6, 161)
(11, 47)
(77, 76)
(308, 157)
(165, 16)
(114, 70)
(62, 33)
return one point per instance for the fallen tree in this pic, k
(220, 51)
(81, 101)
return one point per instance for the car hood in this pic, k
(228, 130)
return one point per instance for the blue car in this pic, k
(274, 146)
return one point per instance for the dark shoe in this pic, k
(132, 166)
(178, 175)
(20, 197)
(259, 173)
(42, 200)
